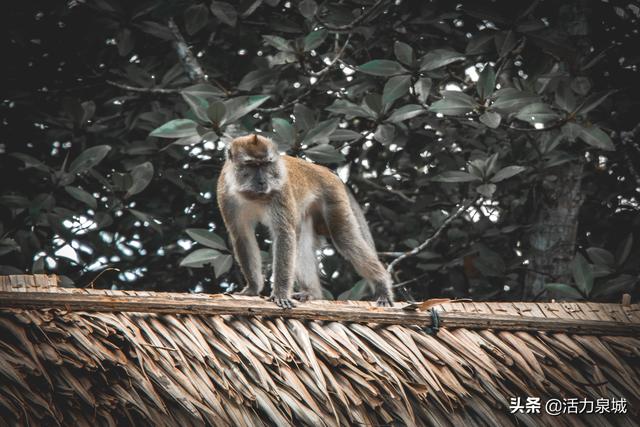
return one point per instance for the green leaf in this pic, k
(14, 201)
(357, 292)
(455, 176)
(581, 85)
(320, 133)
(422, 88)
(207, 238)
(344, 135)
(537, 112)
(489, 262)
(595, 137)
(31, 162)
(505, 42)
(7, 246)
(373, 104)
(478, 167)
(278, 42)
(305, 117)
(486, 190)
(406, 112)
(176, 128)
(565, 98)
(199, 258)
(491, 164)
(156, 29)
(82, 196)
(601, 256)
(141, 176)
(404, 53)
(308, 9)
(225, 12)
(284, 131)
(217, 112)
(196, 18)
(324, 153)
(616, 286)
(623, 251)
(198, 105)
(254, 79)
(480, 43)
(314, 39)
(349, 109)
(571, 131)
(38, 266)
(222, 264)
(511, 100)
(592, 102)
(89, 158)
(205, 90)
(506, 173)
(240, 106)
(486, 82)
(187, 140)
(491, 119)
(385, 133)
(582, 274)
(453, 103)
(382, 67)
(395, 88)
(125, 41)
(562, 289)
(439, 58)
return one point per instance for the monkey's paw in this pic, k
(301, 296)
(384, 301)
(248, 292)
(284, 303)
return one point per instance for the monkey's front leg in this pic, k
(248, 256)
(284, 255)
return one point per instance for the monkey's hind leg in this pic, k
(306, 265)
(349, 240)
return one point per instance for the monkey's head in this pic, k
(257, 170)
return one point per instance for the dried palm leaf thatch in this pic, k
(62, 367)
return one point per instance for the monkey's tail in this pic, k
(362, 221)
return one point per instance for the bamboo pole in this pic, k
(209, 305)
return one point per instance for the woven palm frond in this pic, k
(62, 367)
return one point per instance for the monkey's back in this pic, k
(304, 177)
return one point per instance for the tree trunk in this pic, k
(552, 239)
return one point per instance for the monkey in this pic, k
(301, 203)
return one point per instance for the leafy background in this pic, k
(497, 140)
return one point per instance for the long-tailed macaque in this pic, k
(299, 202)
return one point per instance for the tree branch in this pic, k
(628, 140)
(383, 188)
(434, 236)
(333, 61)
(143, 89)
(190, 63)
(290, 103)
(350, 26)
(320, 75)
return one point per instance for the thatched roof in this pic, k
(106, 368)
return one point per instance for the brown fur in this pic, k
(293, 198)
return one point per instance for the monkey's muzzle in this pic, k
(257, 195)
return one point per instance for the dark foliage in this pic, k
(115, 115)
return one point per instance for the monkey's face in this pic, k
(258, 179)
(258, 171)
